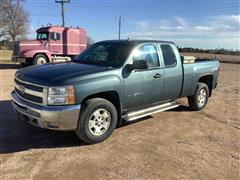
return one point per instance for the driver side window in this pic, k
(147, 53)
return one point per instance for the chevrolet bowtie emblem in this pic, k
(21, 89)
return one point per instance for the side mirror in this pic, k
(140, 64)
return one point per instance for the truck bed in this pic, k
(192, 72)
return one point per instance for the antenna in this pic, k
(62, 2)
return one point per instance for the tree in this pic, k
(13, 20)
(2, 21)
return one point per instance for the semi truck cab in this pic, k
(52, 44)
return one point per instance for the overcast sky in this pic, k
(196, 23)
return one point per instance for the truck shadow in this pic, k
(10, 66)
(16, 136)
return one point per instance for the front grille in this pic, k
(29, 92)
(16, 49)
(29, 86)
(29, 96)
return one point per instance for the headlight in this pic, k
(61, 95)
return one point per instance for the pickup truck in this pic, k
(109, 82)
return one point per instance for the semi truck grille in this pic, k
(16, 49)
(29, 92)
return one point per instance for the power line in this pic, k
(120, 21)
(62, 5)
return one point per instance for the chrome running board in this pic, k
(146, 112)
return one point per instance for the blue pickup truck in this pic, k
(109, 82)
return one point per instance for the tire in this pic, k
(200, 98)
(24, 64)
(97, 120)
(28, 63)
(40, 59)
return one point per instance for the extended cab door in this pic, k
(173, 72)
(144, 87)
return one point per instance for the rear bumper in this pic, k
(48, 117)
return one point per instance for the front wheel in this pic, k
(200, 98)
(97, 120)
(40, 59)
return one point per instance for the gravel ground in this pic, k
(177, 144)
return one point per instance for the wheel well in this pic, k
(111, 96)
(208, 79)
(41, 54)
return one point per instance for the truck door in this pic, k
(144, 87)
(173, 72)
(55, 43)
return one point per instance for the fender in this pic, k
(31, 53)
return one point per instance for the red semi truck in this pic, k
(53, 44)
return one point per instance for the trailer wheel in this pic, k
(200, 98)
(97, 120)
(40, 59)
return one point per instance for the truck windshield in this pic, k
(111, 54)
(42, 36)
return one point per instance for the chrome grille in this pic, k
(30, 92)
(16, 49)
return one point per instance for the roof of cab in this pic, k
(54, 28)
(137, 41)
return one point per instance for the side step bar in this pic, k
(146, 112)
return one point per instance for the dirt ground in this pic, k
(177, 144)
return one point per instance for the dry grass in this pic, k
(5, 56)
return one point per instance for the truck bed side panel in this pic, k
(193, 72)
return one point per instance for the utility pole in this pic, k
(62, 2)
(119, 27)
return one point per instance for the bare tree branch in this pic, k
(13, 19)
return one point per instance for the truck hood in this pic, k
(20, 47)
(59, 73)
(29, 42)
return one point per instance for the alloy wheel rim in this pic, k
(202, 96)
(99, 122)
(41, 60)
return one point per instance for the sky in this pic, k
(206, 24)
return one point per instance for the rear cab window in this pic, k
(169, 57)
(148, 53)
(55, 36)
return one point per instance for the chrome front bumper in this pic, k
(48, 117)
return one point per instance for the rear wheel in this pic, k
(40, 59)
(97, 120)
(200, 98)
